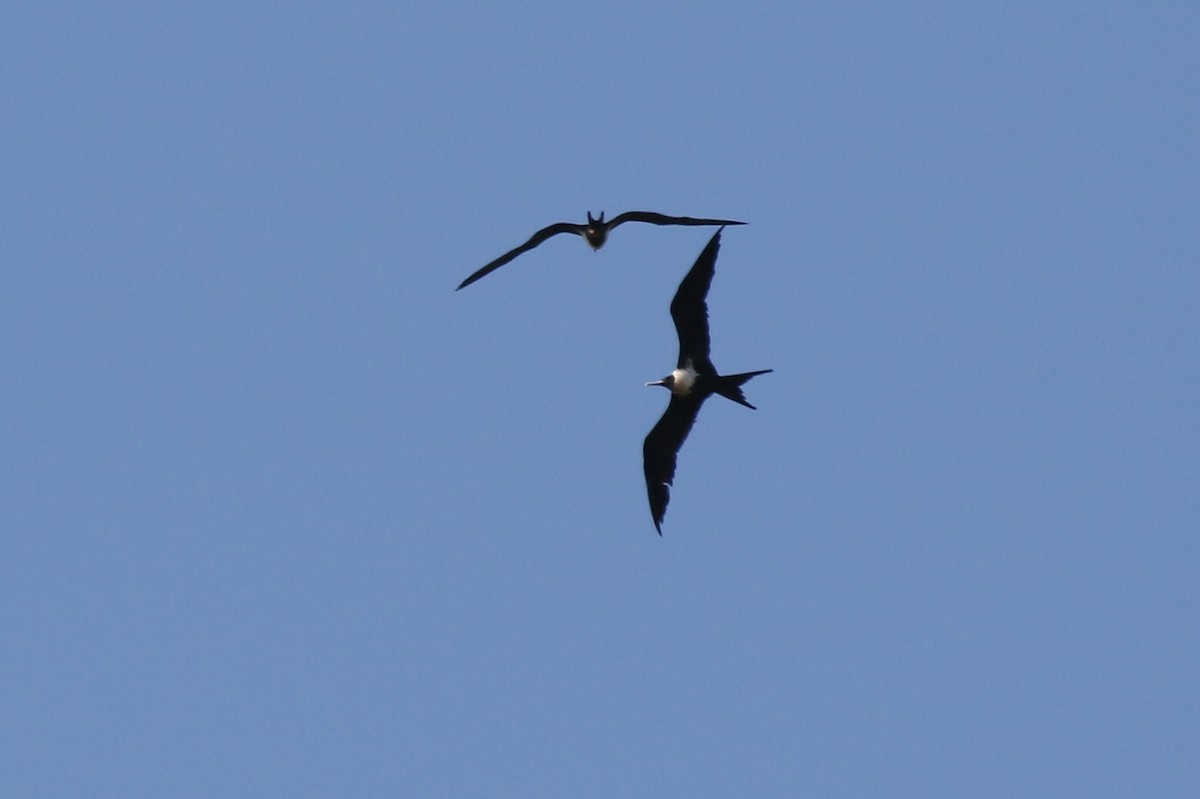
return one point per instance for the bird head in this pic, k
(680, 381)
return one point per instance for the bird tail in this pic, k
(730, 386)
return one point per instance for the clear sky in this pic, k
(283, 514)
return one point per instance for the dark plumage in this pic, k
(595, 232)
(693, 381)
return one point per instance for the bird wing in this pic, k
(534, 240)
(661, 450)
(689, 308)
(663, 219)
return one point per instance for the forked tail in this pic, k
(730, 386)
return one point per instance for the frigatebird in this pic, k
(694, 380)
(595, 231)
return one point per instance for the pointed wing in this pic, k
(689, 308)
(534, 240)
(663, 219)
(661, 450)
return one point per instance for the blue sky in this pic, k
(283, 514)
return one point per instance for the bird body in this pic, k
(595, 231)
(694, 380)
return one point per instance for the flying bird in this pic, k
(595, 231)
(693, 381)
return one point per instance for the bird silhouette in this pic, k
(595, 231)
(693, 380)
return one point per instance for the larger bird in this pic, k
(693, 381)
(595, 232)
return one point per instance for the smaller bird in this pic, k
(595, 231)
(694, 380)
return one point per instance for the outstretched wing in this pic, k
(689, 308)
(663, 219)
(661, 450)
(534, 240)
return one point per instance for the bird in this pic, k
(595, 231)
(693, 380)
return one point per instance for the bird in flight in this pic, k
(595, 231)
(693, 381)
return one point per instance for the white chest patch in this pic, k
(683, 381)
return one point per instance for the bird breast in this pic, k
(682, 382)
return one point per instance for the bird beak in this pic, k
(657, 383)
